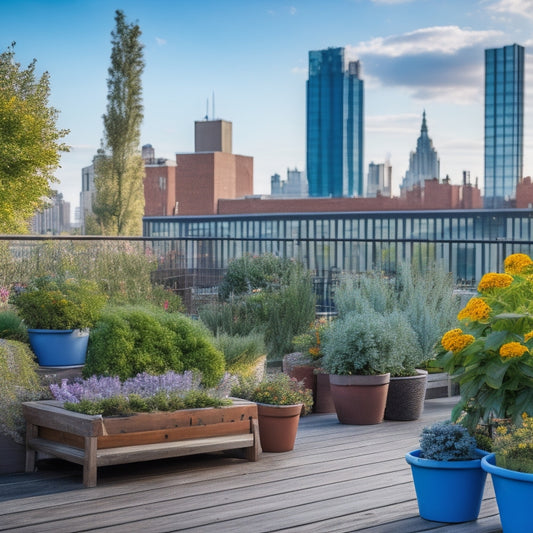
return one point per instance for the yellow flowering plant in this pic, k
(490, 352)
(513, 446)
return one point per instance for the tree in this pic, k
(29, 143)
(119, 174)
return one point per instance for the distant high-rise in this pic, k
(504, 124)
(379, 180)
(334, 125)
(424, 162)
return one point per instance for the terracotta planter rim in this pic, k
(358, 379)
(279, 406)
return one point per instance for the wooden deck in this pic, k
(338, 478)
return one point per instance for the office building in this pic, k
(334, 125)
(379, 182)
(504, 124)
(295, 186)
(424, 162)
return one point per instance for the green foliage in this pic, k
(444, 441)
(281, 308)
(119, 201)
(11, 327)
(366, 343)
(122, 270)
(248, 274)
(19, 382)
(49, 303)
(236, 317)
(490, 354)
(425, 298)
(241, 353)
(29, 142)
(161, 401)
(129, 340)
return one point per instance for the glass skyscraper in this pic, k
(334, 125)
(504, 124)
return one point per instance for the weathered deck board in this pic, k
(338, 478)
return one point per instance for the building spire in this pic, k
(424, 128)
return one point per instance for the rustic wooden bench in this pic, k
(94, 441)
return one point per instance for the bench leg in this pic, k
(31, 432)
(89, 463)
(253, 452)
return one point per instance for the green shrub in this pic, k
(129, 340)
(19, 382)
(12, 327)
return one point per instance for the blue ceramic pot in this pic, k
(448, 491)
(59, 347)
(514, 495)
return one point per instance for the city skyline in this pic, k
(415, 55)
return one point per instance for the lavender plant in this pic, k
(145, 392)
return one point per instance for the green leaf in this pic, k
(495, 372)
(495, 340)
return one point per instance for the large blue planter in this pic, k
(514, 495)
(448, 491)
(59, 347)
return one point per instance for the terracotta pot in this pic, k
(323, 400)
(405, 400)
(278, 425)
(360, 400)
(305, 373)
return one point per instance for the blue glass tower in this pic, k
(334, 125)
(504, 124)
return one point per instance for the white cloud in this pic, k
(438, 39)
(523, 8)
(160, 42)
(292, 10)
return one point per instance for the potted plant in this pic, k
(447, 473)
(58, 313)
(489, 353)
(306, 365)
(511, 469)
(359, 351)
(428, 308)
(280, 402)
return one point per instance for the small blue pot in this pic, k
(514, 495)
(59, 347)
(448, 491)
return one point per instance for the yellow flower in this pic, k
(528, 335)
(455, 341)
(494, 281)
(476, 309)
(513, 349)
(515, 263)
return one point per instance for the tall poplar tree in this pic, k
(119, 201)
(30, 142)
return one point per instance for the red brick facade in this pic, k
(159, 190)
(435, 195)
(524, 194)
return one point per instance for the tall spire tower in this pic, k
(424, 162)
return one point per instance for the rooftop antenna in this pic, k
(213, 116)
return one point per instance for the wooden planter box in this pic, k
(94, 441)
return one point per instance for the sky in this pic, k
(246, 61)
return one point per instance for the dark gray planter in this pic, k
(405, 400)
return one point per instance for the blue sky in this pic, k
(252, 55)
